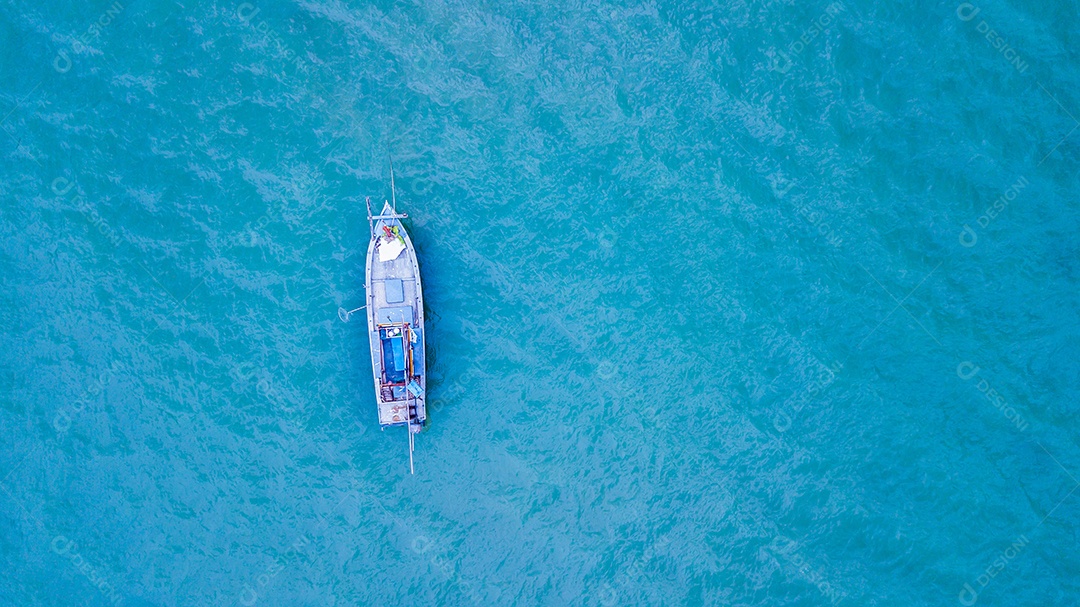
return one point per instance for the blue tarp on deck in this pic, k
(399, 353)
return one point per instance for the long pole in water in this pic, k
(408, 415)
(406, 340)
(393, 192)
(408, 428)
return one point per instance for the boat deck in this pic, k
(394, 298)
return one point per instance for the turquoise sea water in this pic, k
(751, 303)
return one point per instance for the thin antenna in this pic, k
(393, 193)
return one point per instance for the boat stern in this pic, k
(400, 412)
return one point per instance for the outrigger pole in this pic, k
(370, 221)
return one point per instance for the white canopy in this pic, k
(389, 251)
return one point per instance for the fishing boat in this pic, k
(395, 313)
